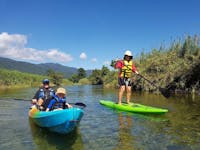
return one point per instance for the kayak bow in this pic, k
(59, 121)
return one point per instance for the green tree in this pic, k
(81, 73)
(104, 71)
(50, 72)
(110, 80)
(95, 77)
(74, 78)
(56, 77)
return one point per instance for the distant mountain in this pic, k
(41, 69)
(67, 71)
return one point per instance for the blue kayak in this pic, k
(59, 121)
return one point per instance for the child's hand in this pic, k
(136, 72)
(68, 105)
(34, 101)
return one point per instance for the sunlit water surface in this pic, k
(101, 127)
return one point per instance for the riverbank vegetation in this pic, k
(17, 79)
(14, 79)
(176, 68)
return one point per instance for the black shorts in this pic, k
(124, 81)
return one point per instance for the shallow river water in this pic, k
(102, 128)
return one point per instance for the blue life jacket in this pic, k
(60, 102)
(46, 94)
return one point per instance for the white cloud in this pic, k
(54, 54)
(13, 46)
(12, 41)
(83, 56)
(94, 60)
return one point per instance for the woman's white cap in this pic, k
(128, 53)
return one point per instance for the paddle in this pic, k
(164, 92)
(77, 103)
(20, 99)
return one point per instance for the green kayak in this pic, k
(133, 107)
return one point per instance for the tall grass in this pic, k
(12, 78)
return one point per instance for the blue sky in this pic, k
(90, 33)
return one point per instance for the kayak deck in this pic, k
(133, 107)
(59, 121)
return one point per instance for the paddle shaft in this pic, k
(148, 80)
(164, 92)
(77, 103)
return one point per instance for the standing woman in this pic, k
(126, 68)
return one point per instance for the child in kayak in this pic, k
(59, 101)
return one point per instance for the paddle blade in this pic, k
(165, 92)
(82, 105)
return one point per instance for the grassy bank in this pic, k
(17, 79)
(176, 67)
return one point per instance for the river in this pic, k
(102, 128)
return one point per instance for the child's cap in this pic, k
(61, 90)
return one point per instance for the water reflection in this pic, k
(45, 139)
(21, 93)
(126, 139)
